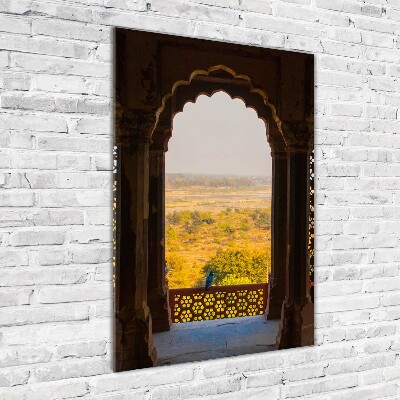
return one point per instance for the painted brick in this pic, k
(321, 385)
(53, 257)
(91, 180)
(94, 126)
(251, 394)
(78, 293)
(359, 302)
(366, 393)
(301, 373)
(56, 217)
(100, 216)
(33, 122)
(89, 106)
(73, 13)
(70, 30)
(137, 6)
(16, 101)
(73, 144)
(17, 140)
(15, 297)
(103, 162)
(70, 369)
(264, 379)
(196, 12)
(106, 384)
(58, 390)
(91, 255)
(43, 46)
(90, 235)
(210, 387)
(81, 349)
(350, 65)
(16, 81)
(8, 377)
(332, 289)
(102, 309)
(24, 356)
(38, 315)
(353, 317)
(341, 49)
(13, 258)
(43, 276)
(34, 238)
(59, 65)
(60, 198)
(257, 6)
(63, 84)
(103, 273)
(19, 7)
(349, 366)
(14, 25)
(74, 162)
(352, 110)
(26, 199)
(52, 334)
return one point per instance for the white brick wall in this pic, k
(55, 140)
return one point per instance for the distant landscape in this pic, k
(220, 223)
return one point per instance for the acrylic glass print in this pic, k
(213, 200)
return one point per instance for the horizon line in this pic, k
(217, 174)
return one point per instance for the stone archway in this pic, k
(216, 78)
(142, 136)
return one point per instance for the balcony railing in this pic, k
(197, 304)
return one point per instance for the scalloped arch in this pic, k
(235, 75)
(212, 92)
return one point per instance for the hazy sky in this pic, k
(218, 135)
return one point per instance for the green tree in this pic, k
(239, 266)
(177, 270)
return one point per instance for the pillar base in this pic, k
(160, 313)
(297, 324)
(276, 296)
(134, 344)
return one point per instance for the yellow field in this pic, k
(216, 199)
(203, 221)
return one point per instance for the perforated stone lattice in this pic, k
(219, 302)
(311, 226)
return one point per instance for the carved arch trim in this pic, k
(166, 99)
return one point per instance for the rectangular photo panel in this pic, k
(213, 199)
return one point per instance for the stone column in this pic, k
(134, 325)
(277, 279)
(297, 316)
(157, 288)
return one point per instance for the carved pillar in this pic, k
(297, 316)
(134, 325)
(157, 289)
(277, 279)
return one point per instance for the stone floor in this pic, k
(196, 341)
